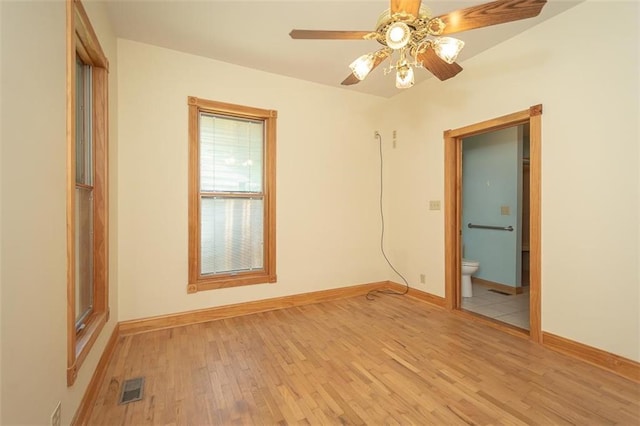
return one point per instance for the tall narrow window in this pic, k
(87, 192)
(232, 195)
(84, 196)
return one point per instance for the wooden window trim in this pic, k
(82, 40)
(197, 281)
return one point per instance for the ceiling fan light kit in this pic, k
(397, 35)
(362, 66)
(448, 48)
(404, 76)
(410, 31)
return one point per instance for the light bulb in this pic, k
(398, 35)
(404, 76)
(362, 66)
(448, 48)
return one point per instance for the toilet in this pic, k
(469, 267)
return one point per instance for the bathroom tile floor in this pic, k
(511, 309)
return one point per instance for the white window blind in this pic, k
(84, 123)
(84, 194)
(231, 194)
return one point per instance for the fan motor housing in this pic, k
(420, 26)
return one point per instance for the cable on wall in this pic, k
(372, 293)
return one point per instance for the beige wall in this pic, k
(33, 305)
(327, 180)
(587, 81)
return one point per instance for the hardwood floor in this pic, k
(394, 360)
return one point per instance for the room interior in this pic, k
(495, 191)
(583, 72)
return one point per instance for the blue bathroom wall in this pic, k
(492, 181)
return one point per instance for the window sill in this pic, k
(84, 342)
(205, 283)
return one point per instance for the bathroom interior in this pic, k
(495, 225)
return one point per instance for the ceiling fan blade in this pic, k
(437, 66)
(328, 35)
(351, 80)
(381, 55)
(409, 6)
(485, 15)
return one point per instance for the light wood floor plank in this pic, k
(394, 360)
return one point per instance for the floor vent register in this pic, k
(132, 390)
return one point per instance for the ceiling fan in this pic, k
(419, 40)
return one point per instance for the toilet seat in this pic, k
(467, 262)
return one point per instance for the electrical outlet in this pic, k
(55, 416)
(376, 134)
(422, 279)
(394, 138)
(434, 205)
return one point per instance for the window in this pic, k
(87, 212)
(83, 197)
(231, 195)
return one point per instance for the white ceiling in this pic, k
(255, 34)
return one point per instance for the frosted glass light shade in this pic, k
(448, 48)
(362, 66)
(398, 35)
(404, 77)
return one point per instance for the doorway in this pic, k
(495, 233)
(453, 207)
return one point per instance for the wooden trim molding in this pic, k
(86, 405)
(616, 364)
(453, 211)
(81, 40)
(87, 38)
(204, 315)
(497, 286)
(83, 343)
(196, 280)
(70, 189)
(419, 294)
(535, 223)
(491, 125)
(452, 219)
